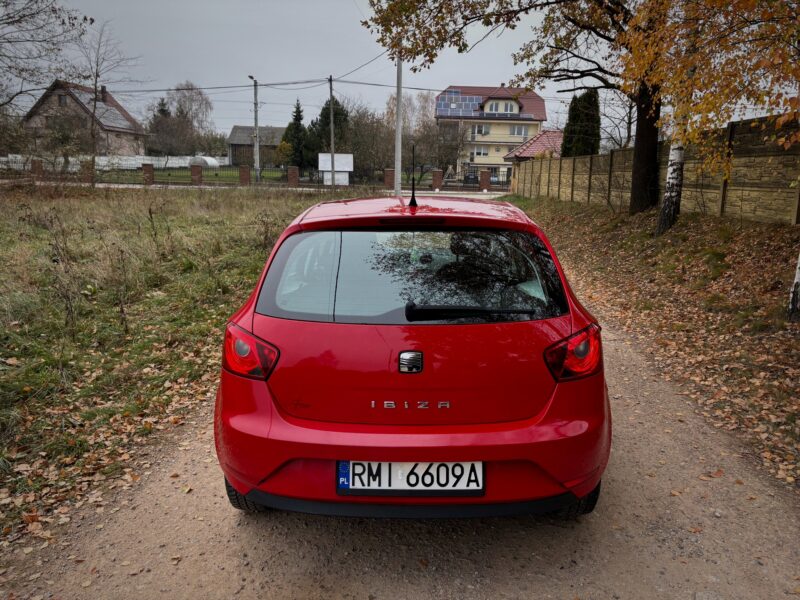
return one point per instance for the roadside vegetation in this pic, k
(112, 304)
(707, 301)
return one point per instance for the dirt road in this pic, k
(684, 513)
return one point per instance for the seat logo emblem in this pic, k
(410, 361)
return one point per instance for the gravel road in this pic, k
(685, 513)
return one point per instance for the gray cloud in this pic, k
(221, 43)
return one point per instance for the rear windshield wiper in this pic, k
(435, 312)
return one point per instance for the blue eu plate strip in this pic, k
(343, 475)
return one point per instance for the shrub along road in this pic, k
(686, 510)
(683, 514)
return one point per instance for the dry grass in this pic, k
(111, 307)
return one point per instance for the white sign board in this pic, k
(341, 178)
(344, 163)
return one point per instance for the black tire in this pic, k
(582, 506)
(241, 502)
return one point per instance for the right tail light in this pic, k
(579, 355)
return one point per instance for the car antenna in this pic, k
(413, 201)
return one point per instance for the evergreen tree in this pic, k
(295, 135)
(591, 120)
(162, 108)
(319, 132)
(570, 129)
(582, 131)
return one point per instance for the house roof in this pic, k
(545, 142)
(110, 114)
(464, 101)
(243, 135)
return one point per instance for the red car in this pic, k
(413, 361)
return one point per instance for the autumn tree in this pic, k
(34, 37)
(580, 43)
(710, 61)
(283, 153)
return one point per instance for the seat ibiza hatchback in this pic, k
(413, 361)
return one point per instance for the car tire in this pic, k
(240, 501)
(583, 506)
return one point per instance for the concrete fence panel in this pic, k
(764, 182)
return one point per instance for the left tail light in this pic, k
(579, 355)
(246, 355)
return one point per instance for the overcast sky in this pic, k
(221, 43)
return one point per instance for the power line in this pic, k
(219, 87)
(371, 60)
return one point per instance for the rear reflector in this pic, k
(246, 355)
(579, 355)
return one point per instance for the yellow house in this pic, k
(495, 120)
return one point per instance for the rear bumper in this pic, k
(413, 511)
(534, 465)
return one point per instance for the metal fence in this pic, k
(132, 171)
(171, 171)
(470, 179)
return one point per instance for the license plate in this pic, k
(409, 478)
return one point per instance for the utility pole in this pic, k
(333, 145)
(398, 128)
(256, 141)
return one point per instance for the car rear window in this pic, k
(371, 277)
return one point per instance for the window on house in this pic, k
(62, 100)
(481, 151)
(509, 107)
(494, 107)
(520, 130)
(480, 129)
(511, 148)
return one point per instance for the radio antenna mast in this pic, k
(413, 201)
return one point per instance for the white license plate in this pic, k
(409, 478)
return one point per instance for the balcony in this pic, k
(495, 116)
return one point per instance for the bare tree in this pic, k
(189, 100)
(33, 37)
(371, 140)
(101, 62)
(617, 119)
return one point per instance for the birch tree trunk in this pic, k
(671, 204)
(794, 295)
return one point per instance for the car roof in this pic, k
(444, 210)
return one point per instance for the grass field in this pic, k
(111, 308)
(112, 303)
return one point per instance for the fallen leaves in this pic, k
(715, 475)
(706, 302)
